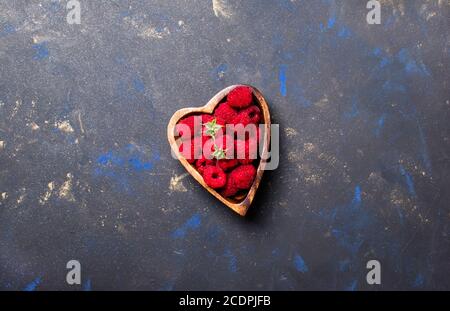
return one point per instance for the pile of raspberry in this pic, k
(230, 175)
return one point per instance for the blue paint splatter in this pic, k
(391, 86)
(87, 285)
(140, 165)
(332, 15)
(54, 7)
(287, 5)
(419, 280)
(344, 33)
(7, 29)
(277, 40)
(321, 27)
(300, 264)
(350, 220)
(32, 285)
(347, 240)
(354, 111)
(298, 94)
(390, 21)
(109, 157)
(213, 234)
(168, 286)
(192, 223)
(282, 79)
(400, 215)
(219, 72)
(411, 66)
(232, 264)
(384, 59)
(120, 165)
(352, 286)
(380, 125)
(132, 160)
(344, 265)
(331, 22)
(424, 150)
(356, 202)
(138, 85)
(384, 62)
(41, 51)
(408, 180)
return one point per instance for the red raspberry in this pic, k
(253, 113)
(206, 118)
(202, 163)
(227, 164)
(243, 176)
(214, 177)
(252, 136)
(230, 188)
(240, 119)
(225, 142)
(209, 117)
(189, 122)
(246, 151)
(250, 115)
(246, 132)
(240, 97)
(225, 112)
(191, 149)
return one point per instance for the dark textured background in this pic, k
(86, 171)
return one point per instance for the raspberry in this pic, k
(250, 115)
(253, 113)
(202, 163)
(249, 136)
(240, 119)
(206, 118)
(227, 164)
(230, 188)
(240, 97)
(254, 140)
(189, 122)
(191, 149)
(246, 132)
(246, 150)
(214, 177)
(225, 112)
(225, 142)
(243, 176)
(209, 117)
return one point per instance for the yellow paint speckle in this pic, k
(47, 195)
(290, 132)
(65, 192)
(176, 183)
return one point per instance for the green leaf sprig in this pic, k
(211, 130)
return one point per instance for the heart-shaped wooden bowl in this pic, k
(239, 205)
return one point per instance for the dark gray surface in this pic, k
(364, 170)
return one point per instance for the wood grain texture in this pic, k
(239, 206)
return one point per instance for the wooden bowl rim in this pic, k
(241, 207)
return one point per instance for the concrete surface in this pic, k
(86, 171)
